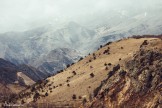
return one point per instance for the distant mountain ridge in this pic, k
(33, 47)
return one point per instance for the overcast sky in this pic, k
(18, 15)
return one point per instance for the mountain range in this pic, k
(33, 55)
(123, 73)
(40, 47)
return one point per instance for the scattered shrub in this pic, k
(72, 64)
(46, 94)
(109, 64)
(81, 59)
(68, 85)
(74, 73)
(94, 58)
(74, 97)
(106, 51)
(108, 43)
(80, 97)
(91, 67)
(92, 75)
(68, 66)
(105, 64)
(67, 80)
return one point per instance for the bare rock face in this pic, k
(137, 84)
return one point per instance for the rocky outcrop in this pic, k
(137, 84)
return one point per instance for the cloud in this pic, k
(20, 15)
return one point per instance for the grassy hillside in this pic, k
(81, 84)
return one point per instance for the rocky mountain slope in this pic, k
(32, 47)
(57, 60)
(120, 74)
(137, 84)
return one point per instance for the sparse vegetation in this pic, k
(74, 97)
(92, 75)
(94, 58)
(106, 51)
(68, 66)
(68, 85)
(46, 94)
(80, 97)
(105, 64)
(109, 64)
(81, 59)
(74, 73)
(108, 43)
(90, 60)
(114, 77)
(67, 80)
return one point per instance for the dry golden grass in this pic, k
(82, 84)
